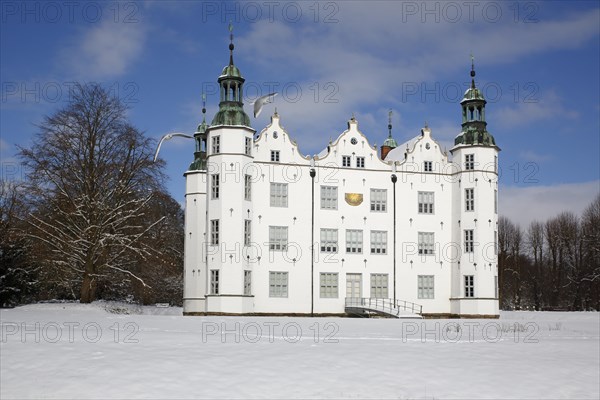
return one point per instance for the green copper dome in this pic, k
(231, 113)
(474, 128)
(390, 142)
(473, 93)
(231, 71)
(231, 84)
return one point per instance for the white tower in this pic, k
(218, 206)
(475, 213)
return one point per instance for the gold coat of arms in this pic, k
(354, 199)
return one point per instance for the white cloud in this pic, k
(530, 155)
(105, 50)
(548, 105)
(525, 204)
(365, 55)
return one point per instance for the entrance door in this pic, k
(353, 285)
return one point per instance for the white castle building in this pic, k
(408, 229)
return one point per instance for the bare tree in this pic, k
(17, 271)
(535, 243)
(91, 176)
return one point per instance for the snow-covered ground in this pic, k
(109, 350)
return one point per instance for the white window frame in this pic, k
(379, 286)
(470, 199)
(275, 156)
(354, 241)
(495, 201)
(378, 200)
(329, 197)
(360, 162)
(248, 187)
(279, 194)
(428, 166)
(426, 202)
(329, 240)
(216, 144)
(426, 243)
(278, 238)
(214, 281)
(426, 286)
(346, 161)
(378, 242)
(328, 285)
(496, 288)
(215, 183)
(469, 162)
(247, 283)
(469, 282)
(214, 232)
(247, 232)
(278, 284)
(248, 146)
(469, 237)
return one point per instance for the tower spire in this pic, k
(472, 71)
(390, 124)
(203, 107)
(231, 46)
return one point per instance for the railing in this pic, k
(384, 305)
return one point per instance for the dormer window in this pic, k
(346, 161)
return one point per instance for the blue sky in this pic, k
(538, 64)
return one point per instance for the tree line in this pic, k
(91, 219)
(551, 265)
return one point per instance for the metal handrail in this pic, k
(384, 305)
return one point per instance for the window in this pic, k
(329, 285)
(496, 287)
(214, 281)
(469, 286)
(495, 201)
(378, 242)
(496, 164)
(275, 155)
(353, 241)
(496, 242)
(469, 241)
(469, 162)
(426, 243)
(247, 187)
(470, 199)
(216, 144)
(248, 146)
(279, 194)
(379, 286)
(329, 197)
(425, 202)
(247, 232)
(247, 283)
(379, 200)
(278, 238)
(425, 287)
(346, 160)
(214, 232)
(427, 166)
(214, 186)
(329, 240)
(278, 284)
(360, 162)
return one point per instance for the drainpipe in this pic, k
(312, 243)
(394, 180)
